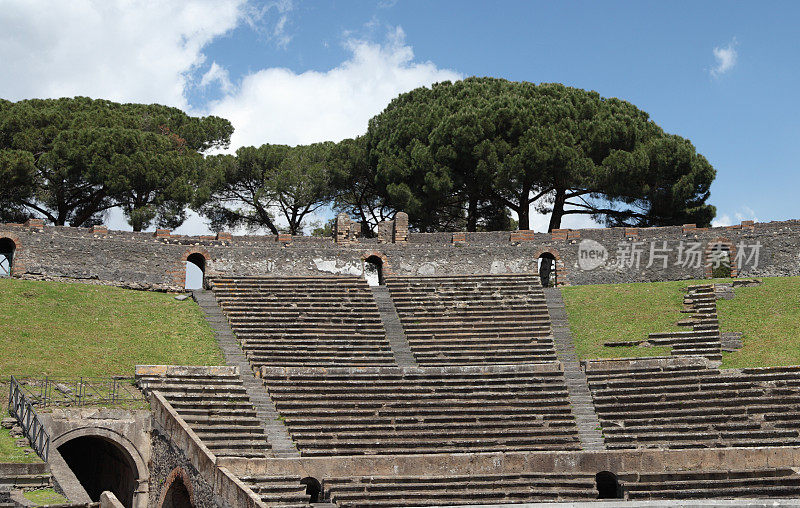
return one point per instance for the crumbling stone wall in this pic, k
(156, 261)
(165, 462)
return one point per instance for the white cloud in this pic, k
(721, 221)
(277, 105)
(725, 57)
(259, 19)
(219, 75)
(744, 213)
(124, 50)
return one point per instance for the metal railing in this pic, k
(21, 408)
(84, 391)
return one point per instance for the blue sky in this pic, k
(723, 74)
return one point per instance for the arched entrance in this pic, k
(7, 249)
(373, 270)
(104, 459)
(608, 485)
(547, 269)
(178, 493)
(195, 271)
(101, 464)
(719, 257)
(313, 488)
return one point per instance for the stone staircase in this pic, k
(579, 395)
(279, 491)
(394, 329)
(704, 338)
(368, 411)
(742, 484)
(689, 403)
(442, 490)
(277, 434)
(474, 319)
(305, 321)
(214, 403)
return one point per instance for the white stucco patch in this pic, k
(339, 268)
(426, 269)
(497, 267)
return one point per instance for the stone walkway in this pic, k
(277, 434)
(394, 329)
(579, 395)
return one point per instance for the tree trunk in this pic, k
(558, 210)
(472, 214)
(524, 217)
(265, 220)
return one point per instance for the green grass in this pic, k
(622, 312)
(10, 452)
(72, 330)
(44, 497)
(768, 315)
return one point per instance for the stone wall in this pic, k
(128, 430)
(443, 464)
(170, 464)
(156, 260)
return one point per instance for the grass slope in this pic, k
(71, 330)
(10, 452)
(619, 312)
(45, 497)
(767, 315)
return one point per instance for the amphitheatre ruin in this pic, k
(419, 369)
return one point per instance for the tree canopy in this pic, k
(74, 158)
(353, 183)
(464, 155)
(250, 188)
(465, 152)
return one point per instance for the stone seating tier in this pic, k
(475, 319)
(215, 406)
(280, 492)
(365, 411)
(743, 484)
(304, 321)
(694, 404)
(374, 491)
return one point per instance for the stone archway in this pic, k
(558, 272)
(373, 271)
(193, 255)
(608, 486)
(177, 491)
(718, 251)
(376, 267)
(9, 249)
(195, 271)
(104, 459)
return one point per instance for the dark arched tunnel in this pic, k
(177, 496)
(101, 465)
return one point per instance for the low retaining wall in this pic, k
(616, 461)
